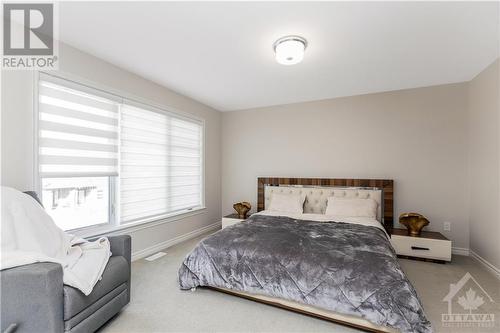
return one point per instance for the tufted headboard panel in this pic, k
(317, 191)
(317, 196)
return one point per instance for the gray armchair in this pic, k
(34, 299)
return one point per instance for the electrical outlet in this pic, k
(447, 226)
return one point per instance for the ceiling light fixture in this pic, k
(289, 50)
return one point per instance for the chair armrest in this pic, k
(32, 298)
(121, 246)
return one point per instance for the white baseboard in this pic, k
(461, 251)
(486, 264)
(179, 239)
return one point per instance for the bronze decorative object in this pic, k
(414, 222)
(242, 209)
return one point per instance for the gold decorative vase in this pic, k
(242, 209)
(414, 222)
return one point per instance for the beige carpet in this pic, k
(159, 306)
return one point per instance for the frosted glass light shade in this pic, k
(290, 50)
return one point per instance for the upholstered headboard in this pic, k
(317, 196)
(318, 190)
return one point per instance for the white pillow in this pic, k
(352, 207)
(290, 203)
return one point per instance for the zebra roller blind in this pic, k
(78, 130)
(160, 163)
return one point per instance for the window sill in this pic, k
(101, 230)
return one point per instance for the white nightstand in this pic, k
(431, 246)
(232, 219)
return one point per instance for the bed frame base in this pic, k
(301, 311)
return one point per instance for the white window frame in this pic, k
(115, 226)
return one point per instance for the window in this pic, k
(160, 168)
(106, 160)
(76, 202)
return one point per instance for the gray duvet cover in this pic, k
(343, 267)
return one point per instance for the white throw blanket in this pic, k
(29, 235)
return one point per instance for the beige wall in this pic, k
(484, 163)
(416, 137)
(17, 132)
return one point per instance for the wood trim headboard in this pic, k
(387, 185)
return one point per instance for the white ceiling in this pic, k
(221, 53)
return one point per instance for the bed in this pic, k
(339, 269)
